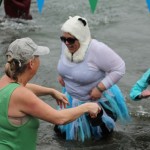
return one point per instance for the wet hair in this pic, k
(83, 21)
(14, 68)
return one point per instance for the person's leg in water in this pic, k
(17, 9)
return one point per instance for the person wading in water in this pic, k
(17, 9)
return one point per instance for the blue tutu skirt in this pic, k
(113, 107)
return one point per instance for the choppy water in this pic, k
(124, 26)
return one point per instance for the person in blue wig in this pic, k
(140, 88)
(88, 72)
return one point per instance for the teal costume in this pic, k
(113, 106)
(140, 85)
(81, 72)
(13, 137)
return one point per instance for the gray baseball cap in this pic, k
(24, 49)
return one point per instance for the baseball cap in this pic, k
(24, 49)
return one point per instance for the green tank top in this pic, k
(13, 137)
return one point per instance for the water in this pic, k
(124, 26)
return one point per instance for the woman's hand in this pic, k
(145, 94)
(61, 81)
(95, 94)
(61, 99)
(93, 109)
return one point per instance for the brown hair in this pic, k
(14, 68)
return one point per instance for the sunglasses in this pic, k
(69, 40)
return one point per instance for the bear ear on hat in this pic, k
(70, 17)
(78, 27)
(83, 21)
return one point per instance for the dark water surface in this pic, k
(122, 24)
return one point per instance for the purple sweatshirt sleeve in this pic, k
(110, 62)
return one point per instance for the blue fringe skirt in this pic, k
(113, 107)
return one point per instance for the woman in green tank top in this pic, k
(20, 106)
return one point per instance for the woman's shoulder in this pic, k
(22, 92)
(97, 44)
(95, 41)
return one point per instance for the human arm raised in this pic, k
(139, 89)
(42, 91)
(27, 102)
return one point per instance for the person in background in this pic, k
(88, 71)
(140, 88)
(17, 9)
(0, 2)
(20, 106)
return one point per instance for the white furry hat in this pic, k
(78, 27)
